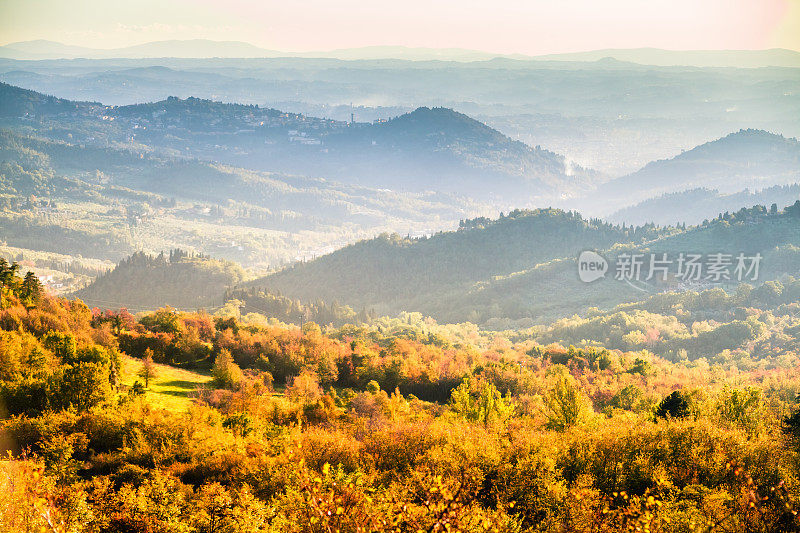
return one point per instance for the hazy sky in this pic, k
(505, 26)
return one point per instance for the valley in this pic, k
(398, 288)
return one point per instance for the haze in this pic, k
(508, 26)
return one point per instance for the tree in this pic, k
(627, 398)
(137, 389)
(480, 401)
(305, 388)
(116, 366)
(676, 405)
(791, 428)
(566, 406)
(113, 377)
(148, 370)
(31, 289)
(641, 366)
(62, 345)
(81, 386)
(373, 387)
(741, 406)
(8, 273)
(226, 373)
(769, 293)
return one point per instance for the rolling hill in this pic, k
(16, 102)
(696, 205)
(425, 274)
(438, 148)
(188, 282)
(428, 149)
(522, 269)
(425, 149)
(181, 280)
(753, 159)
(108, 202)
(776, 57)
(610, 115)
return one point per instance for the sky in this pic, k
(503, 26)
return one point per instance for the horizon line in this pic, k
(409, 47)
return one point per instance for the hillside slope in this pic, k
(427, 149)
(108, 202)
(553, 290)
(750, 158)
(696, 205)
(439, 147)
(523, 270)
(391, 273)
(16, 102)
(144, 282)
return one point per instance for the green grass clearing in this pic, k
(170, 388)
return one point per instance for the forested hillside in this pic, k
(16, 102)
(553, 290)
(396, 273)
(711, 325)
(443, 148)
(244, 301)
(523, 267)
(144, 282)
(399, 424)
(182, 280)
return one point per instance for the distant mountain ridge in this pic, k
(610, 115)
(695, 205)
(775, 57)
(426, 149)
(43, 49)
(753, 159)
(205, 48)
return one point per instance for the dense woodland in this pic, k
(495, 272)
(254, 300)
(179, 279)
(401, 424)
(397, 273)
